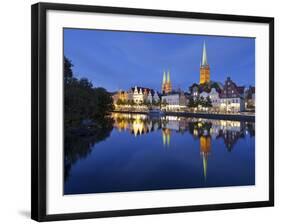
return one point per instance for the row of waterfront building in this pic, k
(207, 95)
(214, 97)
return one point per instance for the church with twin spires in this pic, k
(166, 84)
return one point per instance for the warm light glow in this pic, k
(166, 136)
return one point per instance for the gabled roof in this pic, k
(143, 89)
(231, 90)
(241, 89)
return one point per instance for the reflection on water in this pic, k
(204, 129)
(130, 157)
(79, 142)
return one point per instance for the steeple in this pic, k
(204, 56)
(168, 77)
(166, 137)
(164, 78)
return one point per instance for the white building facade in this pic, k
(232, 98)
(215, 98)
(174, 101)
(232, 105)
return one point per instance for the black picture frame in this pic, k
(39, 123)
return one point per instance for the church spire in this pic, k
(168, 77)
(164, 78)
(204, 56)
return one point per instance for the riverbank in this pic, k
(233, 117)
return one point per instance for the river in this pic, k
(140, 153)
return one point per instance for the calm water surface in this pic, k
(135, 152)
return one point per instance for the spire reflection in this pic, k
(204, 130)
(205, 148)
(166, 136)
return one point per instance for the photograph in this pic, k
(140, 111)
(153, 111)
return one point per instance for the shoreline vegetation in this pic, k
(86, 120)
(83, 103)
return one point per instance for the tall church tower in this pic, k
(166, 83)
(204, 67)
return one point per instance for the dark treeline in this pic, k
(85, 117)
(81, 100)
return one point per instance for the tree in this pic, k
(208, 102)
(85, 83)
(215, 85)
(206, 87)
(201, 101)
(191, 102)
(81, 100)
(102, 103)
(67, 69)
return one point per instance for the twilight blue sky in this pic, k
(119, 60)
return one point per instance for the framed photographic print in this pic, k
(139, 111)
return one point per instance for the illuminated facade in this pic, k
(174, 101)
(156, 97)
(232, 97)
(153, 97)
(140, 94)
(121, 96)
(194, 91)
(214, 97)
(204, 67)
(149, 97)
(250, 98)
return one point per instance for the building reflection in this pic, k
(140, 124)
(230, 132)
(203, 130)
